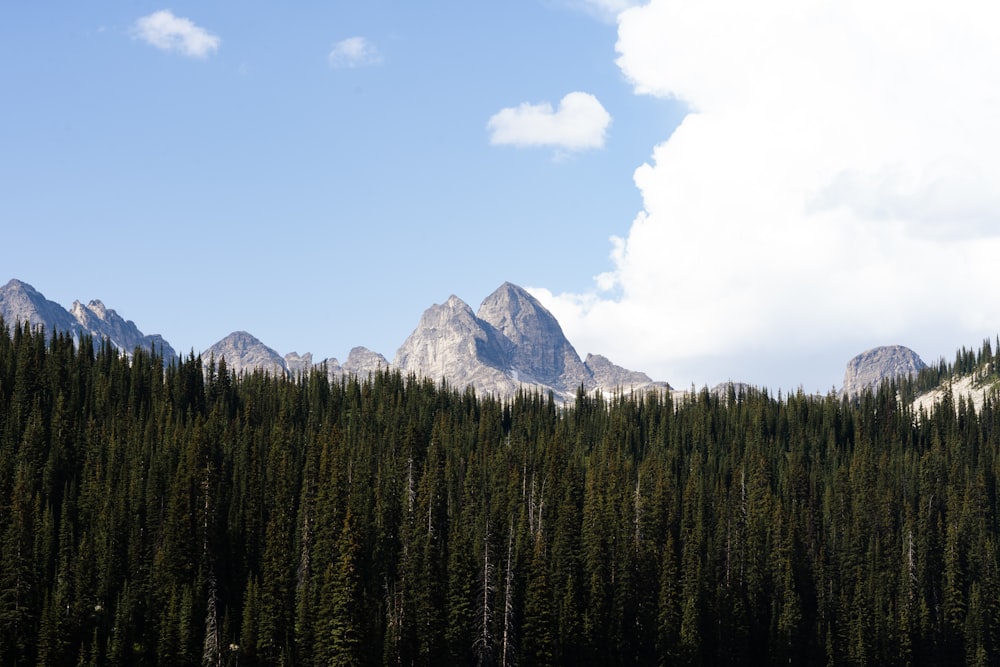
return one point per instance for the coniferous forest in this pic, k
(181, 515)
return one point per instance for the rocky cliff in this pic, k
(103, 322)
(539, 351)
(360, 362)
(870, 368)
(20, 302)
(451, 343)
(511, 343)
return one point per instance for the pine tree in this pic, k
(539, 623)
(343, 586)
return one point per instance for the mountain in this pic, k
(102, 322)
(870, 368)
(973, 387)
(297, 364)
(450, 342)
(20, 302)
(512, 342)
(607, 374)
(244, 353)
(540, 352)
(361, 361)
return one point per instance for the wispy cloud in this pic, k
(168, 32)
(580, 122)
(353, 52)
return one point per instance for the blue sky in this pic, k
(319, 176)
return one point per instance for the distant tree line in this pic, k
(182, 515)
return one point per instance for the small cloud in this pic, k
(579, 123)
(175, 33)
(353, 52)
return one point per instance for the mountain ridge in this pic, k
(21, 302)
(511, 342)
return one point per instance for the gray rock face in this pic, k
(513, 342)
(609, 376)
(244, 353)
(103, 322)
(541, 353)
(298, 364)
(20, 302)
(870, 368)
(452, 343)
(361, 361)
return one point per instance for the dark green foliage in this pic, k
(185, 516)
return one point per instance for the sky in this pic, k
(703, 190)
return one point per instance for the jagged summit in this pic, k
(101, 321)
(512, 342)
(20, 302)
(450, 342)
(541, 352)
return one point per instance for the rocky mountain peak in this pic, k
(20, 302)
(100, 322)
(298, 364)
(541, 352)
(512, 342)
(94, 308)
(245, 353)
(451, 342)
(871, 367)
(361, 360)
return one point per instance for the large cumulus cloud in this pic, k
(834, 186)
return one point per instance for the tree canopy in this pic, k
(183, 515)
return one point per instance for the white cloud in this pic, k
(834, 187)
(579, 123)
(606, 10)
(174, 33)
(353, 52)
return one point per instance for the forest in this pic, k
(179, 514)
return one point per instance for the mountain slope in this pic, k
(610, 377)
(20, 302)
(450, 342)
(541, 353)
(103, 322)
(245, 353)
(511, 343)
